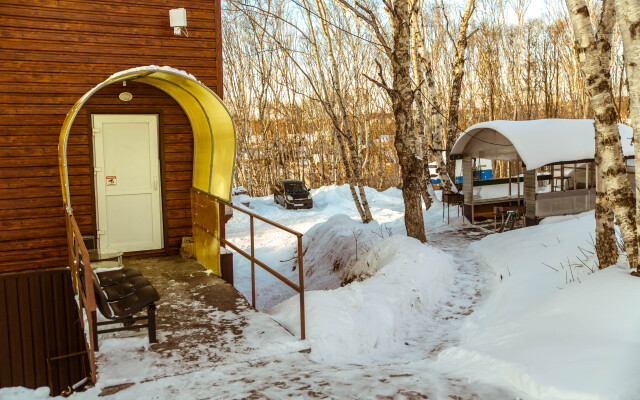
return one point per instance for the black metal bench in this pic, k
(120, 295)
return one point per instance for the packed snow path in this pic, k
(411, 369)
(469, 283)
(258, 359)
(245, 354)
(274, 246)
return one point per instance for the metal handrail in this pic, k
(251, 257)
(86, 295)
(261, 218)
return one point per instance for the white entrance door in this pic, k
(127, 176)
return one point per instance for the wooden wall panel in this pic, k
(39, 321)
(54, 51)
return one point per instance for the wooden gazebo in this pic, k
(555, 158)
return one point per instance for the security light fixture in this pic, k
(178, 21)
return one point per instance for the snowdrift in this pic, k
(551, 327)
(366, 321)
(330, 247)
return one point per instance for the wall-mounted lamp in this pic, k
(125, 96)
(178, 21)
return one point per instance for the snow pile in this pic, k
(554, 331)
(21, 393)
(338, 200)
(277, 248)
(387, 207)
(241, 199)
(369, 321)
(328, 247)
(238, 190)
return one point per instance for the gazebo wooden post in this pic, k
(518, 172)
(467, 185)
(589, 175)
(509, 173)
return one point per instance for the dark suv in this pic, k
(292, 193)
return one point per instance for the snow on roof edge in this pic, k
(546, 141)
(154, 68)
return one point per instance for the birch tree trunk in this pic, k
(606, 247)
(402, 97)
(437, 133)
(598, 86)
(456, 88)
(354, 174)
(628, 16)
(417, 52)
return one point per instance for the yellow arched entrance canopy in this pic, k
(212, 125)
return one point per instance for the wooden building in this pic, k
(52, 53)
(553, 173)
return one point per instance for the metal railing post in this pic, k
(299, 288)
(301, 284)
(253, 265)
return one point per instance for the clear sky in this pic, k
(536, 9)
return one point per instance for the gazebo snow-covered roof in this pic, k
(536, 143)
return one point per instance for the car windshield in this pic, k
(297, 187)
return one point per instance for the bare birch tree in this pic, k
(589, 49)
(342, 124)
(424, 139)
(397, 48)
(456, 87)
(606, 247)
(628, 16)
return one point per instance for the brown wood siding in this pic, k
(39, 321)
(467, 181)
(52, 53)
(530, 182)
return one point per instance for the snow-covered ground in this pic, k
(550, 324)
(553, 325)
(469, 315)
